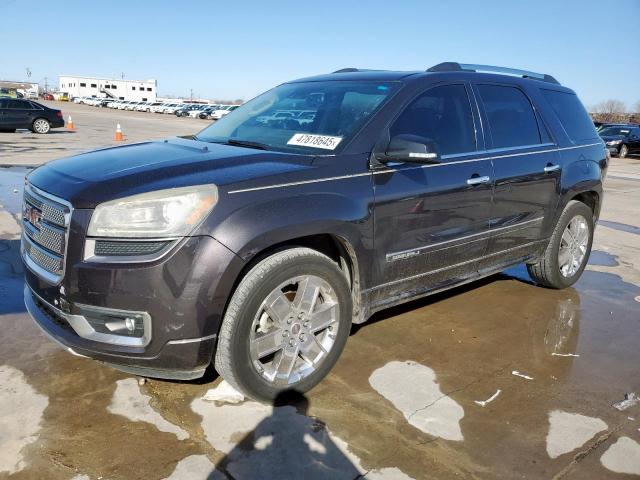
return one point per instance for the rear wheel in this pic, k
(567, 253)
(41, 125)
(286, 324)
(624, 150)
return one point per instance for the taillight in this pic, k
(59, 114)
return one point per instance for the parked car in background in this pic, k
(621, 140)
(171, 109)
(47, 96)
(281, 115)
(196, 110)
(186, 108)
(206, 113)
(19, 113)
(142, 107)
(151, 106)
(159, 108)
(221, 112)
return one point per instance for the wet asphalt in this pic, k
(497, 379)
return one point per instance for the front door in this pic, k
(527, 169)
(432, 221)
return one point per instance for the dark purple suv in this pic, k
(255, 244)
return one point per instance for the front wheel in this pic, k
(286, 325)
(41, 125)
(624, 150)
(567, 253)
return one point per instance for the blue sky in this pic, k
(238, 49)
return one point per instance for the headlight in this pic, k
(614, 142)
(161, 214)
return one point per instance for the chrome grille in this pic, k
(45, 225)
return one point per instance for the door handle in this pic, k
(551, 168)
(478, 180)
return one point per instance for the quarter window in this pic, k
(512, 121)
(573, 116)
(441, 115)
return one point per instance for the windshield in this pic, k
(615, 131)
(334, 112)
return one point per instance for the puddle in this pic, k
(21, 410)
(603, 259)
(12, 179)
(131, 403)
(623, 227)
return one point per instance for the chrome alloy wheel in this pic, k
(573, 246)
(294, 330)
(41, 125)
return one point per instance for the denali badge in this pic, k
(32, 215)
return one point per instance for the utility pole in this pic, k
(191, 94)
(46, 85)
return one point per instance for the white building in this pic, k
(136, 90)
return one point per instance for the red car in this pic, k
(47, 96)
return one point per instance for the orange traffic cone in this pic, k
(119, 135)
(70, 124)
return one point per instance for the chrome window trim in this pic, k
(489, 234)
(84, 329)
(436, 165)
(449, 267)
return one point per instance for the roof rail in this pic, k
(471, 67)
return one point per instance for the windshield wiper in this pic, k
(247, 143)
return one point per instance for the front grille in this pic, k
(45, 224)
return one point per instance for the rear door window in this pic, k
(572, 115)
(19, 105)
(441, 115)
(512, 121)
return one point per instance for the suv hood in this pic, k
(608, 138)
(102, 175)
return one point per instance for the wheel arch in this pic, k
(338, 248)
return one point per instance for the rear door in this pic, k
(19, 114)
(432, 221)
(527, 171)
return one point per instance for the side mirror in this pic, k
(411, 148)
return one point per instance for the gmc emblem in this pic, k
(32, 215)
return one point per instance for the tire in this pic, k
(41, 126)
(624, 150)
(236, 358)
(548, 271)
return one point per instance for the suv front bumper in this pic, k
(181, 298)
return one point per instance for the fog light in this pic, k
(130, 323)
(115, 322)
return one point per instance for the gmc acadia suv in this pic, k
(255, 245)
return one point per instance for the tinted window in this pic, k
(572, 115)
(512, 121)
(442, 115)
(19, 105)
(341, 108)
